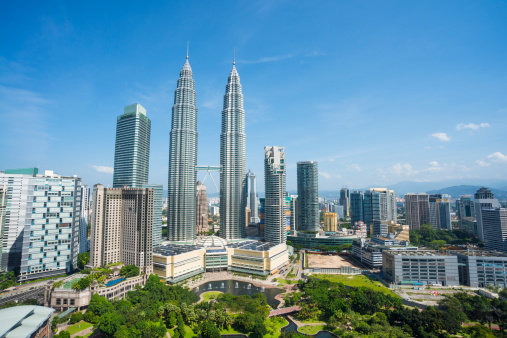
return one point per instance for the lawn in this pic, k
(311, 329)
(274, 326)
(356, 281)
(210, 295)
(286, 281)
(188, 332)
(79, 326)
(229, 331)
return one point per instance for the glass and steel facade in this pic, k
(232, 161)
(252, 200)
(308, 195)
(157, 212)
(181, 201)
(132, 148)
(275, 207)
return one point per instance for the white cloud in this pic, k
(433, 163)
(472, 126)
(328, 175)
(268, 59)
(354, 166)
(401, 169)
(441, 136)
(482, 163)
(102, 169)
(497, 157)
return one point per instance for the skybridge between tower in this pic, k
(209, 169)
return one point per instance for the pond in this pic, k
(239, 288)
(293, 327)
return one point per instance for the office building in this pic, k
(202, 209)
(417, 210)
(233, 161)
(379, 228)
(479, 268)
(41, 223)
(84, 242)
(370, 253)
(440, 212)
(308, 195)
(428, 267)
(294, 218)
(465, 207)
(252, 199)
(388, 207)
(494, 223)
(181, 203)
(338, 210)
(330, 222)
(344, 201)
(274, 178)
(356, 207)
(158, 194)
(122, 227)
(483, 198)
(132, 147)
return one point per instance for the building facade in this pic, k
(202, 209)
(494, 224)
(356, 207)
(440, 211)
(428, 267)
(482, 267)
(308, 195)
(40, 233)
(252, 199)
(417, 210)
(84, 242)
(181, 203)
(483, 198)
(122, 227)
(132, 147)
(233, 161)
(274, 178)
(344, 201)
(330, 221)
(158, 194)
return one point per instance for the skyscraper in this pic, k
(417, 210)
(274, 178)
(40, 233)
(440, 212)
(483, 198)
(308, 195)
(345, 201)
(84, 244)
(121, 227)
(494, 222)
(158, 192)
(132, 148)
(232, 161)
(356, 207)
(181, 209)
(252, 200)
(294, 218)
(202, 209)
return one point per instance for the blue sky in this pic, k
(378, 92)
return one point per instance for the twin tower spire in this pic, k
(181, 197)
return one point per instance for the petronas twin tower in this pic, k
(181, 198)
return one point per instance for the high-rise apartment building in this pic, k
(274, 178)
(122, 225)
(181, 203)
(202, 209)
(3, 204)
(252, 199)
(494, 222)
(41, 223)
(417, 210)
(464, 208)
(294, 214)
(132, 148)
(84, 243)
(440, 212)
(308, 195)
(483, 198)
(388, 207)
(158, 194)
(344, 201)
(356, 207)
(233, 161)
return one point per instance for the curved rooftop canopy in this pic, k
(212, 241)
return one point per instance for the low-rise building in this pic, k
(481, 267)
(26, 321)
(311, 240)
(177, 262)
(421, 266)
(370, 253)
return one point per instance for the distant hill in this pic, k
(460, 190)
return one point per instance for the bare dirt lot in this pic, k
(324, 261)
